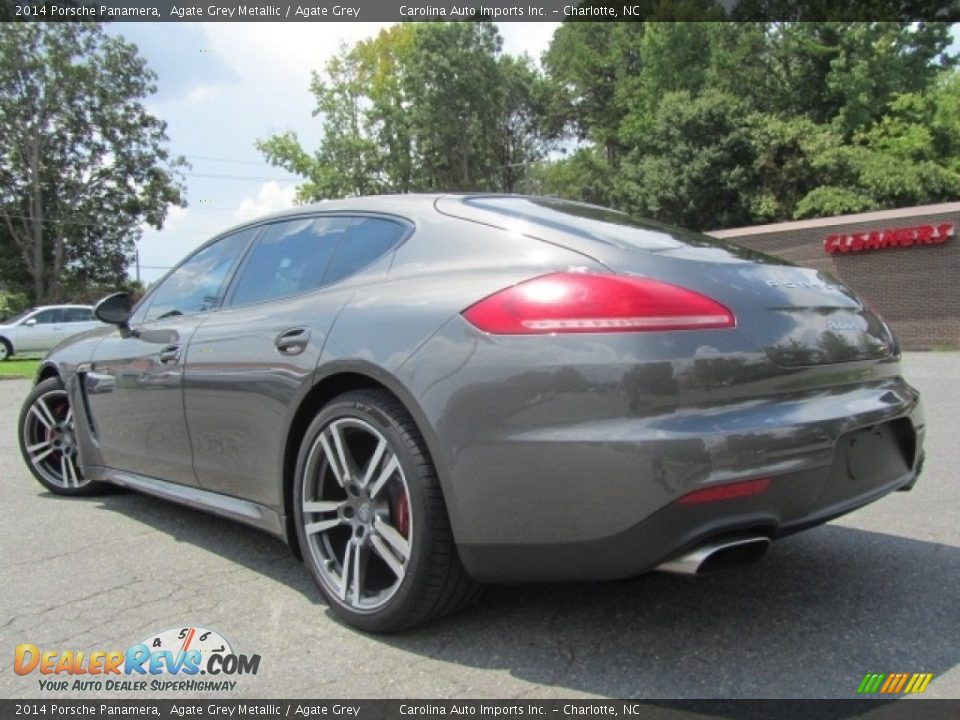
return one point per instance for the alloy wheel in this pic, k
(356, 514)
(49, 440)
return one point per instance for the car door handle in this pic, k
(170, 355)
(292, 341)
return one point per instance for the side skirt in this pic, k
(249, 513)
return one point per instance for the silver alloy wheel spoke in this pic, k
(374, 462)
(40, 416)
(349, 572)
(321, 506)
(384, 553)
(331, 458)
(388, 470)
(32, 450)
(342, 457)
(360, 573)
(337, 455)
(354, 497)
(42, 408)
(394, 539)
(321, 526)
(72, 472)
(49, 441)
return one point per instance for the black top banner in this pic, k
(496, 709)
(471, 10)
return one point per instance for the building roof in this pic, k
(869, 218)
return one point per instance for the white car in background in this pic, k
(39, 329)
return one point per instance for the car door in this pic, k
(77, 319)
(135, 384)
(40, 331)
(251, 362)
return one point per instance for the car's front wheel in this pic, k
(371, 519)
(6, 349)
(48, 440)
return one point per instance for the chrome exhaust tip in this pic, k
(717, 555)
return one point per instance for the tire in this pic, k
(6, 349)
(367, 504)
(48, 442)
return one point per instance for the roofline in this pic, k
(868, 217)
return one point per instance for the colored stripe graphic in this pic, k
(894, 683)
(871, 682)
(923, 679)
(891, 681)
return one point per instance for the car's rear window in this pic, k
(596, 223)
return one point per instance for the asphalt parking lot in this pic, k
(876, 591)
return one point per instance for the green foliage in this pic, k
(583, 176)
(827, 200)
(82, 163)
(694, 165)
(719, 124)
(434, 106)
(12, 303)
(704, 124)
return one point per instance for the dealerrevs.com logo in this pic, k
(173, 660)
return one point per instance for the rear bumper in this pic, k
(562, 457)
(815, 475)
(668, 533)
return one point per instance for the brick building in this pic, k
(906, 262)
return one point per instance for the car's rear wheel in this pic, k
(48, 440)
(370, 517)
(6, 350)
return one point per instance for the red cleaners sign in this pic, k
(889, 238)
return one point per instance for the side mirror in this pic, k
(31, 322)
(114, 309)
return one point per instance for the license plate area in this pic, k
(870, 458)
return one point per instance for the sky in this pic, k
(222, 86)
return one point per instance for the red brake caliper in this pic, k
(401, 512)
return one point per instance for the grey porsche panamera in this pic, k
(422, 393)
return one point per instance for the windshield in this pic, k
(18, 317)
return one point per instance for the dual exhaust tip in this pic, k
(717, 555)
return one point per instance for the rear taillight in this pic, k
(730, 491)
(571, 302)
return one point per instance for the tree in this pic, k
(421, 107)
(908, 158)
(82, 163)
(694, 165)
(718, 124)
(587, 63)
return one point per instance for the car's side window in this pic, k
(47, 317)
(362, 243)
(197, 284)
(294, 256)
(77, 315)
